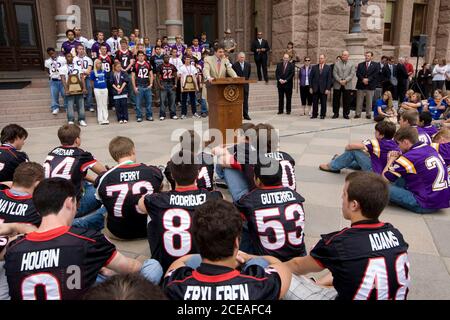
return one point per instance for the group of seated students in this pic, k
(414, 159)
(54, 242)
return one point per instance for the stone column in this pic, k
(403, 18)
(61, 20)
(356, 43)
(443, 31)
(174, 22)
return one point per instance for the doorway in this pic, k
(200, 16)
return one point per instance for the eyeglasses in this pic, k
(307, 60)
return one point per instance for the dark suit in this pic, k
(261, 58)
(321, 81)
(244, 74)
(402, 77)
(366, 90)
(285, 89)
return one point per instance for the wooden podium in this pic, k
(225, 101)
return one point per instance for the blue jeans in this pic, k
(144, 95)
(204, 105)
(88, 202)
(79, 101)
(355, 159)
(56, 90)
(196, 260)
(236, 181)
(89, 97)
(151, 270)
(94, 221)
(184, 100)
(167, 93)
(405, 198)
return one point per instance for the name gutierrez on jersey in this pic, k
(40, 260)
(383, 240)
(190, 200)
(277, 197)
(63, 152)
(13, 208)
(229, 292)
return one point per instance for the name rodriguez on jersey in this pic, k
(190, 200)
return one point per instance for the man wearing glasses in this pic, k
(305, 86)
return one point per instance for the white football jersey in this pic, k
(84, 63)
(114, 44)
(53, 66)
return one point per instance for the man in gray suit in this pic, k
(343, 73)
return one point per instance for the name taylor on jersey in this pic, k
(13, 208)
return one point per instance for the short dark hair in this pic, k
(369, 52)
(12, 132)
(125, 287)
(183, 169)
(140, 52)
(219, 47)
(216, 226)
(190, 141)
(410, 116)
(268, 171)
(50, 195)
(69, 31)
(426, 118)
(50, 50)
(411, 134)
(386, 129)
(27, 174)
(265, 132)
(121, 147)
(103, 45)
(370, 191)
(68, 133)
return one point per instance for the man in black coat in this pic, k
(402, 77)
(285, 83)
(367, 74)
(243, 69)
(321, 82)
(260, 49)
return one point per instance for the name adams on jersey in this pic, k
(120, 190)
(170, 221)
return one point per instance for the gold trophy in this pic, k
(74, 85)
(189, 84)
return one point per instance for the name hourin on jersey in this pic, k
(40, 260)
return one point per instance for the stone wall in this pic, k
(372, 25)
(443, 31)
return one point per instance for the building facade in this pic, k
(28, 27)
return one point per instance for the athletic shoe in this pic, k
(55, 112)
(139, 120)
(204, 115)
(92, 110)
(196, 116)
(183, 117)
(220, 183)
(120, 122)
(149, 118)
(83, 123)
(125, 121)
(106, 122)
(162, 118)
(71, 122)
(174, 118)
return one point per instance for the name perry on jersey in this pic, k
(188, 200)
(40, 260)
(229, 292)
(383, 240)
(13, 208)
(63, 152)
(129, 176)
(277, 197)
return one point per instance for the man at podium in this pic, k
(218, 66)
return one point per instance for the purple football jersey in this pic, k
(68, 46)
(423, 135)
(425, 174)
(378, 151)
(430, 130)
(444, 150)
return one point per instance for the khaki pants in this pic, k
(360, 95)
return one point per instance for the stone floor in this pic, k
(310, 142)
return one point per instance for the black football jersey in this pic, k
(205, 178)
(3, 243)
(245, 158)
(60, 264)
(69, 163)
(276, 221)
(167, 73)
(124, 58)
(369, 261)
(142, 73)
(170, 221)
(120, 190)
(288, 166)
(107, 63)
(18, 209)
(212, 282)
(10, 158)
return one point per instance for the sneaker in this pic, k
(71, 122)
(174, 118)
(139, 120)
(204, 115)
(55, 112)
(92, 110)
(83, 123)
(125, 121)
(183, 117)
(106, 122)
(120, 122)
(149, 118)
(162, 118)
(196, 116)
